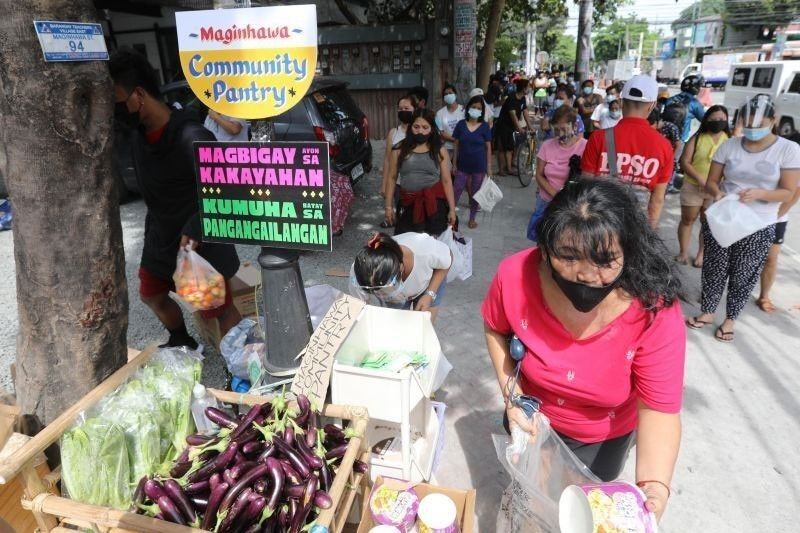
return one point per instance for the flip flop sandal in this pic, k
(766, 305)
(695, 323)
(697, 264)
(684, 262)
(385, 224)
(721, 334)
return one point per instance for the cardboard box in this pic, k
(244, 286)
(464, 500)
(388, 395)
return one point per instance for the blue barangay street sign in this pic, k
(71, 41)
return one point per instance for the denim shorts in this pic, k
(409, 305)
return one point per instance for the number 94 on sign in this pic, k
(75, 46)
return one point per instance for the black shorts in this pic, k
(780, 232)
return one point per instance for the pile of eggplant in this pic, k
(270, 470)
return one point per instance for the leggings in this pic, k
(738, 265)
(605, 459)
(470, 182)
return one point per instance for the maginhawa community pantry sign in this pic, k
(249, 63)
(274, 195)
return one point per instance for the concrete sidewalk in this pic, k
(737, 470)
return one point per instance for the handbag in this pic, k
(488, 195)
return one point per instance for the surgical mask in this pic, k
(756, 134)
(421, 138)
(610, 98)
(474, 113)
(450, 99)
(615, 114)
(716, 126)
(405, 116)
(565, 138)
(126, 118)
(583, 297)
(587, 90)
(391, 293)
(557, 103)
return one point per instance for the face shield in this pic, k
(391, 293)
(757, 113)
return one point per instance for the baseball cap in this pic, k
(640, 88)
(477, 91)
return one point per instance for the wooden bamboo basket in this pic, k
(57, 514)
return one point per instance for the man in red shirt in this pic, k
(644, 157)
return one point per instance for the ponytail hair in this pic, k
(378, 263)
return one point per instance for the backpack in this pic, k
(676, 109)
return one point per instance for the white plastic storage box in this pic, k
(412, 459)
(389, 396)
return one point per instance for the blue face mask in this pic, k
(450, 99)
(587, 90)
(755, 134)
(474, 113)
(557, 103)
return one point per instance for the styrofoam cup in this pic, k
(612, 506)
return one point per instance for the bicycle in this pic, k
(526, 148)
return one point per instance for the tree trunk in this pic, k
(55, 152)
(487, 53)
(584, 40)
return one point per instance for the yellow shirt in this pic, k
(704, 149)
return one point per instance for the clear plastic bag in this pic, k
(731, 220)
(244, 351)
(197, 283)
(488, 195)
(540, 470)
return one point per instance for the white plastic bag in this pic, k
(461, 248)
(244, 350)
(540, 471)
(731, 220)
(488, 195)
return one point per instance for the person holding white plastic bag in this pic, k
(408, 271)
(763, 170)
(596, 309)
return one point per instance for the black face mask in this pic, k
(716, 126)
(583, 297)
(125, 117)
(421, 138)
(405, 116)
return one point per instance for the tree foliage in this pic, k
(760, 12)
(611, 38)
(505, 51)
(564, 50)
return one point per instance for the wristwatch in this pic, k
(431, 293)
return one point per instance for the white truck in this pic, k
(670, 70)
(716, 68)
(620, 69)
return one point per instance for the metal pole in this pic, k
(639, 53)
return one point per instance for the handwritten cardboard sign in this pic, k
(314, 374)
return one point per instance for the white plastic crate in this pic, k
(414, 459)
(388, 396)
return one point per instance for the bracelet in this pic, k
(641, 485)
(431, 293)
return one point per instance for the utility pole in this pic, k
(584, 43)
(692, 51)
(639, 52)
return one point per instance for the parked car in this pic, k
(327, 113)
(788, 108)
(768, 77)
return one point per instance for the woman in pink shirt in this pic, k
(596, 308)
(552, 161)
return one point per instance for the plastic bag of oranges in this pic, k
(197, 282)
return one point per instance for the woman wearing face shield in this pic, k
(552, 162)
(408, 271)
(596, 309)
(763, 169)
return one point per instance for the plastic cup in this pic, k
(597, 507)
(437, 514)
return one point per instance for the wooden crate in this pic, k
(54, 513)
